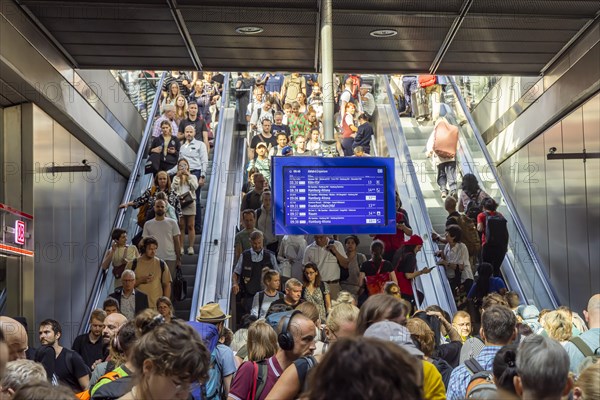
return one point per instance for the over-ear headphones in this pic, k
(285, 338)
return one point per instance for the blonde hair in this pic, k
(461, 314)
(343, 312)
(344, 297)
(558, 325)
(181, 112)
(262, 341)
(587, 382)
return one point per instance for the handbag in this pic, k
(375, 283)
(186, 199)
(118, 270)
(179, 286)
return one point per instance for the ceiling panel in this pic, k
(495, 37)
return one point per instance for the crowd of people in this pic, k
(382, 350)
(314, 318)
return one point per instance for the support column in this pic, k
(327, 70)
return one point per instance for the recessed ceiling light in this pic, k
(249, 30)
(383, 33)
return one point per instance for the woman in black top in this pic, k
(375, 266)
(405, 260)
(166, 146)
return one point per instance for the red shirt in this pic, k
(481, 220)
(395, 241)
(242, 383)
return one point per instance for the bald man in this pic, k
(591, 338)
(16, 338)
(112, 324)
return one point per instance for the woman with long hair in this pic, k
(171, 95)
(180, 108)
(162, 183)
(455, 259)
(355, 260)
(470, 192)
(486, 283)
(184, 182)
(315, 290)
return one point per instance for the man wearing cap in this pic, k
(433, 386)
(367, 100)
(223, 367)
(262, 162)
(363, 134)
(168, 115)
(247, 274)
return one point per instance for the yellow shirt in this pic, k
(433, 386)
(153, 289)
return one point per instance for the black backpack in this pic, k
(474, 206)
(496, 231)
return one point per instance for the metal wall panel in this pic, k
(563, 214)
(74, 213)
(557, 234)
(537, 184)
(576, 218)
(591, 133)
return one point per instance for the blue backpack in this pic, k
(213, 387)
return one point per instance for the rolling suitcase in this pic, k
(420, 104)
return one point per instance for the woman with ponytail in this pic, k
(505, 369)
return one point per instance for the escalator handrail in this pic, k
(101, 276)
(508, 201)
(214, 186)
(423, 208)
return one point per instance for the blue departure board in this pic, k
(333, 195)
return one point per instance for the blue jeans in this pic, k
(410, 85)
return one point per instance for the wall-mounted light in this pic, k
(570, 156)
(383, 33)
(249, 30)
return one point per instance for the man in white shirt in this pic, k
(166, 231)
(328, 256)
(367, 100)
(264, 222)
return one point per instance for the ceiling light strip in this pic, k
(185, 34)
(450, 36)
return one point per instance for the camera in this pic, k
(331, 242)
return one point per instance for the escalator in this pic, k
(521, 267)
(137, 184)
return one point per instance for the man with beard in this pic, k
(112, 324)
(88, 345)
(167, 233)
(70, 369)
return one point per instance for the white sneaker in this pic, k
(190, 251)
(182, 251)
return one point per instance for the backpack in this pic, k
(274, 318)
(427, 80)
(474, 206)
(470, 236)
(87, 394)
(259, 378)
(212, 388)
(481, 385)
(303, 366)
(445, 140)
(496, 230)
(591, 357)
(443, 368)
(261, 299)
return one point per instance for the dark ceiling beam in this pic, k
(571, 42)
(47, 34)
(185, 34)
(450, 36)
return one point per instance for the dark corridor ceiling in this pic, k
(516, 37)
